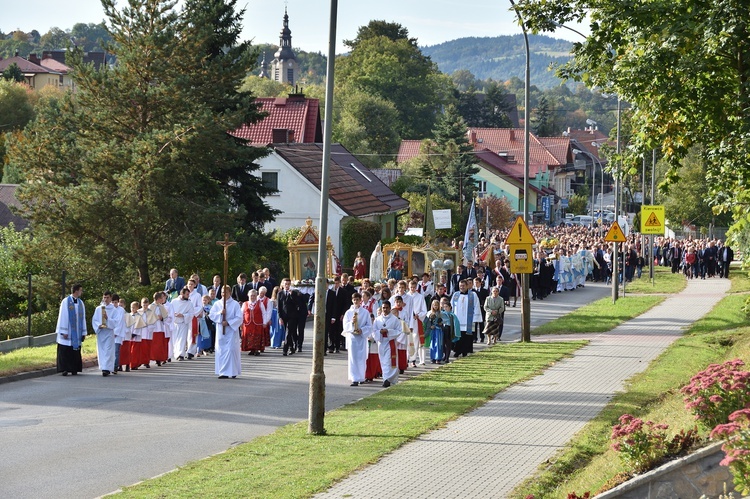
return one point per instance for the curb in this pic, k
(49, 371)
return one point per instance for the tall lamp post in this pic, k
(594, 162)
(525, 303)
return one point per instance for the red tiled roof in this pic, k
(24, 65)
(408, 149)
(300, 114)
(559, 147)
(352, 186)
(510, 141)
(54, 65)
(587, 137)
(500, 165)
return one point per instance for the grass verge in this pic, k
(358, 433)
(36, 358)
(740, 281)
(601, 315)
(664, 282)
(588, 462)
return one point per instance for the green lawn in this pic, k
(588, 463)
(290, 463)
(600, 316)
(36, 358)
(664, 282)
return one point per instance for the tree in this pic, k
(138, 166)
(55, 38)
(496, 106)
(463, 79)
(13, 73)
(396, 70)
(542, 119)
(376, 28)
(684, 68)
(264, 87)
(498, 211)
(90, 37)
(364, 125)
(454, 159)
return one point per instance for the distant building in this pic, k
(284, 67)
(289, 120)
(8, 202)
(34, 73)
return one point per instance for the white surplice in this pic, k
(228, 357)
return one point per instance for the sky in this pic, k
(430, 21)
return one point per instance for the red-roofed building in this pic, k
(293, 119)
(294, 169)
(35, 75)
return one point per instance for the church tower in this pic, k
(284, 67)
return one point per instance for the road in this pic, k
(85, 436)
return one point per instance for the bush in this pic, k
(358, 235)
(640, 444)
(41, 323)
(737, 447)
(716, 392)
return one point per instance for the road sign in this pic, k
(615, 234)
(521, 259)
(520, 233)
(652, 219)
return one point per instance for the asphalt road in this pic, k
(84, 436)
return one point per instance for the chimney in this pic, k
(290, 137)
(472, 137)
(512, 135)
(34, 59)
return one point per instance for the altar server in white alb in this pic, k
(71, 331)
(418, 311)
(385, 329)
(105, 321)
(357, 329)
(227, 349)
(183, 311)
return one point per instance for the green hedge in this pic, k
(41, 323)
(358, 235)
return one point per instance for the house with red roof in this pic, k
(35, 75)
(292, 119)
(295, 171)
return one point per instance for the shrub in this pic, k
(640, 444)
(714, 393)
(41, 323)
(737, 447)
(358, 235)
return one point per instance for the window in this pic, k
(270, 180)
(290, 76)
(482, 185)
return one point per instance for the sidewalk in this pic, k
(490, 450)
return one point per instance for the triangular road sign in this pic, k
(520, 233)
(615, 234)
(653, 221)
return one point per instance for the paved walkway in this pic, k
(500, 444)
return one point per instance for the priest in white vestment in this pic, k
(227, 348)
(183, 311)
(357, 329)
(105, 321)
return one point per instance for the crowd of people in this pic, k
(384, 327)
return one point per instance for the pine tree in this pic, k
(455, 155)
(146, 165)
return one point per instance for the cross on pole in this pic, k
(226, 243)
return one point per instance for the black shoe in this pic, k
(223, 377)
(190, 356)
(355, 383)
(330, 350)
(401, 371)
(65, 373)
(337, 350)
(299, 348)
(455, 355)
(180, 358)
(386, 384)
(105, 373)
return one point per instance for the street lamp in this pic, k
(594, 162)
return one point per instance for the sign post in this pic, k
(617, 236)
(520, 241)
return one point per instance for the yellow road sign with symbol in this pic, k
(615, 234)
(652, 219)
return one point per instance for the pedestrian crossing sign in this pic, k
(615, 234)
(652, 220)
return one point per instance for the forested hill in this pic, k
(501, 57)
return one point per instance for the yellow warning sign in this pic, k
(652, 219)
(615, 234)
(520, 233)
(521, 259)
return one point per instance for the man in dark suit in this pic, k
(299, 319)
(241, 289)
(726, 256)
(455, 279)
(335, 308)
(175, 283)
(287, 313)
(269, 282)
